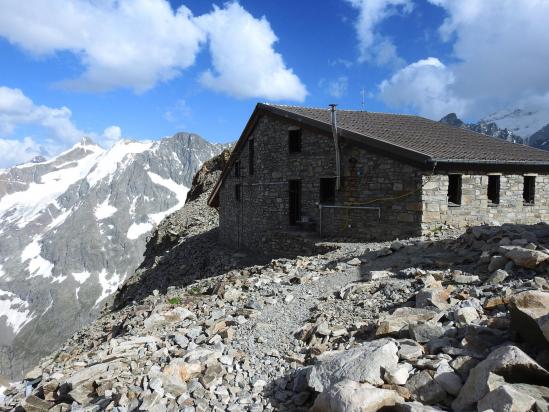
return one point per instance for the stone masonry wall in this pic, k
(262, 214)
(474, 208)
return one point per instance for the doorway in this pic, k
(294, 212)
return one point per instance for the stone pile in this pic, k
(417, 325)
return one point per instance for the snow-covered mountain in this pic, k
(73, 227)
(517, 126)
(521, 122)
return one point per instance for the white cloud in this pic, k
(244, 61)
(373, 46)
(139, 43)
(126, 43)
(424, 87)
(336, 88)
(55, 124)
(19, 151)
(17, 109)
(501, 59)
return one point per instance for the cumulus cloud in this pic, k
(373, 46)
(500, 59)
(122, 43)
(424, 87)
(138, 43)
(244, 61)
(54, 124)
(17, 109)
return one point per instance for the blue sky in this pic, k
(145, 69)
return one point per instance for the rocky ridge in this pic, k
(448, 322)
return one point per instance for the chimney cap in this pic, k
(333, 105)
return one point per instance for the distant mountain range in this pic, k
(72, 228)
(517, 126)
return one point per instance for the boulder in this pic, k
(526, 258)
(497, 262)
(446, 377)
(424, 332)
(415, 407)
(352, 396)
(365, 363)
(398, 375)
(33, 403)
(507, 361)
(425, 389)
(530, 316)
(466, 315)
(391, 325)
(497, 277)
(506, 398)
(437, 297)
(377, 274)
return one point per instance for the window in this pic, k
(237, 194)
(529, 190)
(327, 190)
(294, 140)
(237, 168)
(251, 153)
(493, 190)
(454, 189)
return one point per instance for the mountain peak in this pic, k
(87, 141)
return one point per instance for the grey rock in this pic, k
(507, 361)
(425, 389)
(362, 364)
(424, 332)
(506, 398)
(351, 396)
(530, 316)
(497, 277)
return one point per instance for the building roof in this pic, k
(419, 140)
(436, 141)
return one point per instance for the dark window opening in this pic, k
(237, 194)
(251, 153)
(294, 198)
(294, 140)
(493, 190)
(237, 168)
(327, 190)
(454, 189)
(529, 190)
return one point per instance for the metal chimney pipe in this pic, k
(336, 144)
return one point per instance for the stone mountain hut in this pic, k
(370, 176)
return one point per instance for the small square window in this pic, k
(493, 189)
(237, 168)
(237, 193)
(327, 190)
(294, 140)
(454, 190)
(529, 190)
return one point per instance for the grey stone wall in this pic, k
(475, 208)
(258, 220)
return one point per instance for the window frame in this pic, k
(531, 200)
(295, 140)
(457, 190)
(322, 199)
(237, 170)
(493, 190)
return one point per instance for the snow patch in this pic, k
(108, 284)
(23, 207)
(104, 210)
(138, 229)
(81, 277)
(179, 190)
(108, 163)
(37, 266)
(15, 311)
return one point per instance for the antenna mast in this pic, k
(362, 100)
